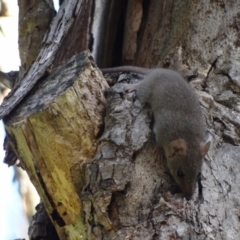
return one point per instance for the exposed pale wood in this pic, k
(54, 131)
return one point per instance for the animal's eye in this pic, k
(180, 173)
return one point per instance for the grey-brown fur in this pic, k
(178, 121)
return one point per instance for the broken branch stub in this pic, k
(54, 131)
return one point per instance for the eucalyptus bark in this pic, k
(54, 131)
(32, 28)
(125, 191)
(201, 41)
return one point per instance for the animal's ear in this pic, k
(204, 147)
(177, 147)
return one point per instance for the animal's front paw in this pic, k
(130, 88)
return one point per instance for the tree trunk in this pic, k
(114, 184)
(55, 130)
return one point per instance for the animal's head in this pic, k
(185, 162)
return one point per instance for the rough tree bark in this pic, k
(123, 191)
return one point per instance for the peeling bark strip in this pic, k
(54, 130)
(51, 44)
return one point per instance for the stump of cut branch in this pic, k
(54, 131)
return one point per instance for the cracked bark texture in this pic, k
(43, 132)
(125, 190)
(200, 39)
